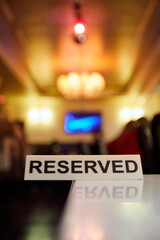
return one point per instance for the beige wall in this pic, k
(113, 124)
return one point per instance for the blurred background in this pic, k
(76, 77)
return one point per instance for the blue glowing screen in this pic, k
(82, 122)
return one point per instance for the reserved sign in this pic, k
(83, 167)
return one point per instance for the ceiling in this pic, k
(36, 45)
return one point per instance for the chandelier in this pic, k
(81, 85)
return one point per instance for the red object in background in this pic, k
(127, 143)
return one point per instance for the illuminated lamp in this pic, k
(79, 28)
(79, 35)
(45, 115)
(137, 113)
(81, 85)
(126, 114)
(33, 115)
(40, 116)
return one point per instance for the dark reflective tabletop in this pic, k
(113, 210)
(30, 210)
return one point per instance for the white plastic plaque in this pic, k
(83, 167)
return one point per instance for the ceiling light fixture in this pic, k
(81, 85)
(79, 35)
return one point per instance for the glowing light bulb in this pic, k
(137, 113)
(79, 28)
(33, 115)
(46, 115)
(126, 114)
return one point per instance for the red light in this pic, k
(79, 28)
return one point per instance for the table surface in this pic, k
(112, 210)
